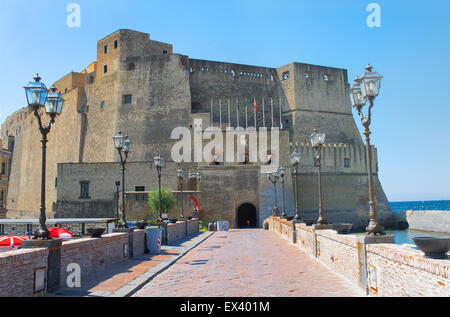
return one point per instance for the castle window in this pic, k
(164, 52)
(84, 190)
(3, 168)
(308, 75)
(139, 189)
(91, 79)
(326, 77)
(105, 69)
(286, 76)
(106, 49)
(127, 99)
(116, 44)
(233, 73)
(347, 162)
(131, 66)
(102, 105)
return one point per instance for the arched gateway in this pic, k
(247, 216)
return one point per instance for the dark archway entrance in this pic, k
(247, 216)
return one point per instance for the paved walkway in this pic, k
(125, 278)
(248, 263)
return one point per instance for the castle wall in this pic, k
(62, 146)
(319, 102)
(13, 125)
(102, 178)
(223, 82)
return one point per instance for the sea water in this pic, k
(420, 205)
(405, 236)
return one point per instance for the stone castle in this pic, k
(141, 87)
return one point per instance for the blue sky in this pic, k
(411, 50)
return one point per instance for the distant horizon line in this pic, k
(414, 201)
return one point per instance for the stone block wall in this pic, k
(437, 221)
(338, 252)
(177, 231)
(17, 269)
(92, 255)
(305, 238)
(139, 242)
(385, 270)
(396, 271)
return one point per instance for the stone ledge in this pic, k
(39, 244)
(386, 239)
(411, 257)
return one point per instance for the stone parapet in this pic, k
(181, 229)
(18, 268)
(436, 221)
(374, 263)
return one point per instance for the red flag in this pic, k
(195, 202)
(256, 107)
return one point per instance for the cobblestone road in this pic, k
(248, 263)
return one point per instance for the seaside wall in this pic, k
(384, 270)
(436, 221)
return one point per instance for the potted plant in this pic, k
(167, 203)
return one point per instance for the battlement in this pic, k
(337, 158)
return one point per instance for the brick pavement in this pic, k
(124, 278)
(248, 263)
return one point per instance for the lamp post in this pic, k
(117, 195)
(282, 172)
(180, 175)
(38, 96)
(317, 141)
(193, 179)
(295, 161)
(159, 163)
(367, 88)
(123, 145)
(274, 177)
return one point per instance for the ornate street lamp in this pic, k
(38, 96)
(317, 141)
(367, 88)
(274, 177)
(180, 175)
(117, 195)
(295, 161)
(159, 163)
(282, 173)
(124, 146)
